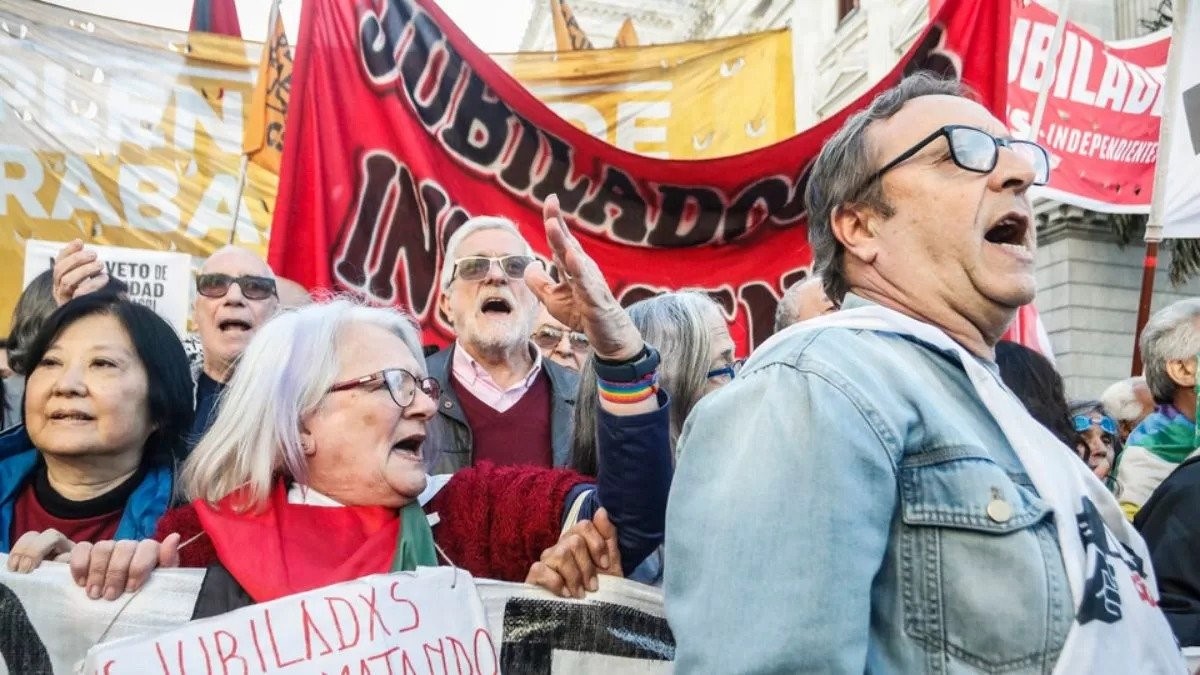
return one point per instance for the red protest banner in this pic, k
(1102, 113)
(399, 129)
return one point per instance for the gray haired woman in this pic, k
(697, 358)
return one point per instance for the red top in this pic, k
(494, 522)
(519, 435)
(30, 516)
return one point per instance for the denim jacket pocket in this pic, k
(981, 577)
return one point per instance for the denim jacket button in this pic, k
(999, 510)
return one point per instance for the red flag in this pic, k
(215, 16)
(399, 129)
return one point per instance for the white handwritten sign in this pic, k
(157, 279)
(428, 621)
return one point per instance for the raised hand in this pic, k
(582, 299)
(76, 272)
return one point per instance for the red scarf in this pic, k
(291, 548)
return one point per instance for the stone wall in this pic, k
(1088, 291)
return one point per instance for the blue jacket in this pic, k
(18, 458)
(864, 542)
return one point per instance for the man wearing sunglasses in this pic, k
(866, 489)
(235, 296)
(501, 400)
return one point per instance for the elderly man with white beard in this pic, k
(501, 401)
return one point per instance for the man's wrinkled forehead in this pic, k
(236, 262)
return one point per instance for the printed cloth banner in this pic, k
(48, 624)
(691, 100)
(1181, 197)
(401, 129)
(1102, 114)
(263, 141)
(157, 279)
(113, 136)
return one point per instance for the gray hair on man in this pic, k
(473, 225)
(1172, 333)
(840, 174)
(1120, 399)
(283, 375)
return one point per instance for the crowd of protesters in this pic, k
(884, 486)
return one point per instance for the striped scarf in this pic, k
(1167, 434)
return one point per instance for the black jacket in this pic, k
(1170, 524)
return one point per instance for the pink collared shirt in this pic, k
(468, 373)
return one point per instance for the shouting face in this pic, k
(227, 321)
(493, 314)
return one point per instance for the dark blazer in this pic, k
(1170, 524)
(450, 446)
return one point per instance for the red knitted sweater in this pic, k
(495, 521)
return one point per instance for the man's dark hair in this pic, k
(157, 346)
(1039, 387)
(845, 164)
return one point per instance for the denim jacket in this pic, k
(868, 542)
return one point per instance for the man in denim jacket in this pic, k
(848, 504)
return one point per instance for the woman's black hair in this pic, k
(35, 304)
(1038, 385)
(170, 389)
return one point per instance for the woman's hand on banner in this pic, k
(581, 299)
(107, 569)
(76, 272)
(34, 547)
(586, 550)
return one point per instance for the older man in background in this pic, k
(501, 400)
(1128, 402)
(1170, 346)
(803, 300)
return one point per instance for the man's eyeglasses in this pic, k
(726, 372)
(253, 287)
(476, 267)
(401, 384)
(548, 337)
(977, 150)
(1106, 423)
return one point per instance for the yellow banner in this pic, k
(691, 100)
(112, 135)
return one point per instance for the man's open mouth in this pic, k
(1011, 231)
(234, 325)
(496, 306)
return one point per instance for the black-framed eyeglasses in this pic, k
(726, 372)
(476, 267)
(977, 150)
(401, 384)
(548, 337)
(253, 287)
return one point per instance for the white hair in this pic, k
(1120, 400)
(1170, 334)
(476, 224)
(283, 375)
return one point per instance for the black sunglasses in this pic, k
(978, 151)
(401, 384)
(476, 267)
(217, 285)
